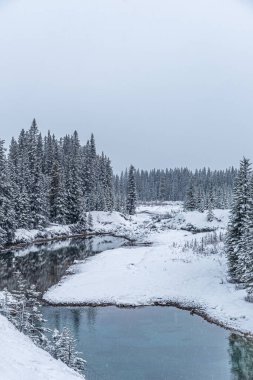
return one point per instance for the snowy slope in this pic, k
(22, 360)
(170, 214)
(166, 272)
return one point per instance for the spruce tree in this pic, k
(244, 268)
(64, 348)
(210, 214)
(238, 219)
(131, 192)
(190, 201)
(7, 213)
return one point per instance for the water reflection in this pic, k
(241, 353)
(154, 343)
(44, 265)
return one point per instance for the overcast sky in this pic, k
(161, 83)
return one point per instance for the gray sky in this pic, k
(161, 83)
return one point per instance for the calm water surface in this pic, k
(44, 265)
(153, 343)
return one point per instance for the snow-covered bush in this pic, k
(22, 308)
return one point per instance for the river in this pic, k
(147, 343)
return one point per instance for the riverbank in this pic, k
(21, 359)
(163, 275)
(41, 266)
(134, 228)
(104, 224)
(181, 268)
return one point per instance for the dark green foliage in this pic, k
(131, 192)
(7, 200)
(238, 219)
(49, 180)
(190, 203)
(241, 353)
(174, 185)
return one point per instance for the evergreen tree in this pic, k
(244, 267)
(238, 218)
(35, 325)
(64, 348)
(7, 213)
(90, 222)
(162, 188)
(190, 202)
(57, 195)
(131, 192)
(210, 214)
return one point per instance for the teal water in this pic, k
(153, 343)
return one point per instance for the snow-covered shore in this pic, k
(22, 360)
(168, 272)
(114, 223)
(104, 223)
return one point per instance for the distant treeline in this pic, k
(197, 189)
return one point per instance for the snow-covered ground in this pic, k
(28, 236)
(156, 218)
(170, 214)
(22, 360)
(169, 271)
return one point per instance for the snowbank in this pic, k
(160, 208)
(169, 215)
(103, 223)
(167, 272)
(21, 359)
(28, 236)
(112, 223)
(163, 274)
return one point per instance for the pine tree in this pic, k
(57, 195)
(109, 185)
(73, 181)
(64, 348)
(162, 188)
(190, 202)
(244, 268)
(131, 192)
(238, 219)
(37, 183)
(35, 326)
(200, 202)
(20, 315)
(210, 214)
(7, 213)
(90, 222)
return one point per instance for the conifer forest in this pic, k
(48, 180)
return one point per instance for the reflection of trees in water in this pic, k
(241, 355)
(76, 320)
(91, 315)
(77, 315)
(57, 317)
(43, 268)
